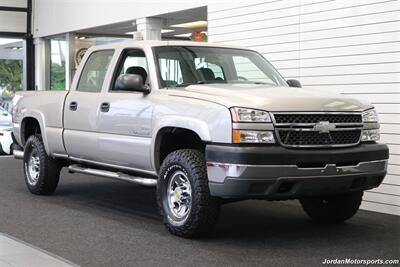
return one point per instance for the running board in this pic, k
(18, 154)
(114, 175)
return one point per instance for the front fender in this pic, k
(196, 125)
(193, 124)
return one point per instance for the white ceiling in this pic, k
(120, 29)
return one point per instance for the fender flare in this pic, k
(195, 125)
(39, 117)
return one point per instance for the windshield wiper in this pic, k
(187, 84)
(254, 82)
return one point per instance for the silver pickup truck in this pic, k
(206, 124)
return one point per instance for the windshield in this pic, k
(181, 66)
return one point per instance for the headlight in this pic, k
(370, 116)
(370, 135)
(249, 115)
(246, 136)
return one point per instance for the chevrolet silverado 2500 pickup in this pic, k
(206, 124)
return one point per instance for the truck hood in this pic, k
(271, 98)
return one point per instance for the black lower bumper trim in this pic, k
(294, 188)
(277, 155)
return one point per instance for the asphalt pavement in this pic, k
(93, 221)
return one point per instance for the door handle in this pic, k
(105, 107)
(73, 106)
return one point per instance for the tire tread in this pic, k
(50, 169)
(205, 215)
(338, 208)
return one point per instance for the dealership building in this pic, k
(347, 47)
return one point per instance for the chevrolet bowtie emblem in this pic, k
(324, 127)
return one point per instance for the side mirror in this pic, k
(132, 83)
(294, 83)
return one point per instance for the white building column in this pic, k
(69, 59)
(24, 67)
(42, 64)
(148, 29)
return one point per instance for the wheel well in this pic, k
(170, 139)
(29, 126)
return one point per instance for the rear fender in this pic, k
(39, 117)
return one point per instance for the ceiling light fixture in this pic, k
(166, 30)
(192, 25)
(183, 35)
(162, 31)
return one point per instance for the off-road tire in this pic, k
(49, 168)
(332, 209)
(204, 209)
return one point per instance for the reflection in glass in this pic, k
(58, 50)
(11, 56)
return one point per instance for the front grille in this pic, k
(315, 118)
(313, 138)
(309, 129)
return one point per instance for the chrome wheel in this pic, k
(179, 195)
(33, 167)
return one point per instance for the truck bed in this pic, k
(47, 108)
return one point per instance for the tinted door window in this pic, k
(133, 62)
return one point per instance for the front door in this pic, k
(124, 121)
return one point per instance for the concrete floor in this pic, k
(16, 253)
(92, 221)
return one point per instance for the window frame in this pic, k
(76, 89)
(121, 58)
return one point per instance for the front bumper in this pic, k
(274, 172)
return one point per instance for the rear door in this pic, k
(82, 106)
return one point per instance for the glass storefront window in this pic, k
(58, 49)
(11, 70)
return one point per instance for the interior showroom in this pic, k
(199, 133)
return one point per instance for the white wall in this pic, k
(61, 16)
(12, 21)
(346, 46)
